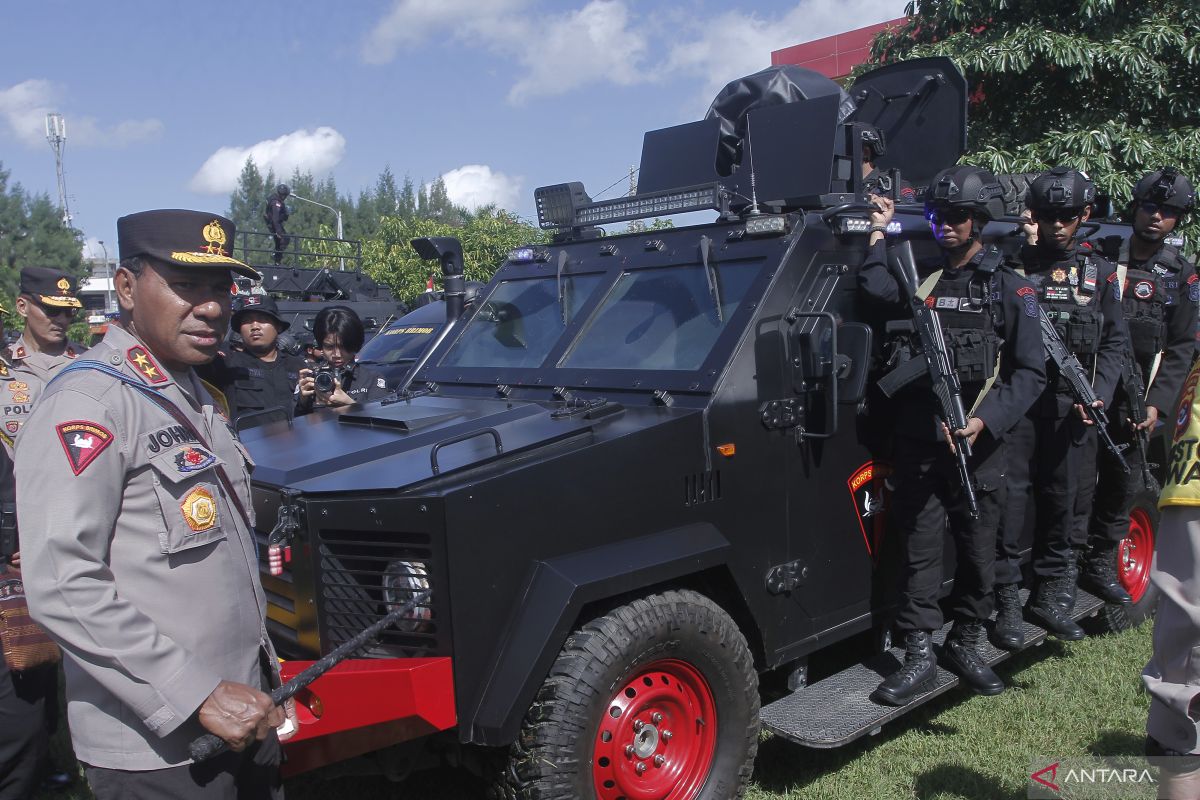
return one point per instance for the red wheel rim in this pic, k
(1136, 554)
(657, 736)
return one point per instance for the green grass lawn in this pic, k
(1082, 698)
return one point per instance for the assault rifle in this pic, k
(1135, 389)
(1081, 387)
(942, 377)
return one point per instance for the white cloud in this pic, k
(733, 44)
(415, 22)
(475, 185)
(557, 52)
(23, 109)
(604, 41)
(315, 151)
(592, 45)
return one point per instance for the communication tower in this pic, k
(56, 135)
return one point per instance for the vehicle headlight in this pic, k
(401, 581)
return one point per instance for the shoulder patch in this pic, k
(220, 401)
(83, 442)
(3, 370)
(144, 365)
(1193, 289)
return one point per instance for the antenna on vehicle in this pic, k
(753, 210)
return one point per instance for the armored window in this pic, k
(662, 319)
(520, 322)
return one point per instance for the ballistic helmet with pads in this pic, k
(181, 238)
(50, 287)
(1060, 188)
(282, 190)
(1166, 187)
(874, 137)
(966, 187)
(262, 304)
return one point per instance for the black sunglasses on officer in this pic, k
(1063, 215)
(54, 311)
(948, 215)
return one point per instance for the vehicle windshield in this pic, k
(662, 319)
(401, 343)
(521, 322)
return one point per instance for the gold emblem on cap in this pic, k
(63, 285)
(214, 234)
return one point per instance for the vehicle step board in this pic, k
(836, 710)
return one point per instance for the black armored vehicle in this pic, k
(637, 476)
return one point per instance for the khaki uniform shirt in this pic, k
(134, 558)
(28, 374)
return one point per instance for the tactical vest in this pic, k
(1070, 296)
(969, 318)
(1147, 292)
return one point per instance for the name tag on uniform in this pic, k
(1057, 293)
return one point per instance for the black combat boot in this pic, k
(1099, 574)
(1009, 632)
(917, 675)
(1065, 592)
(962, 656)
(1045, 611)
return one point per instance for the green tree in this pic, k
(32, 233)
(1108, 86)
(487, 236)
(248, 198)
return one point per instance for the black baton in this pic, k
(206, 746)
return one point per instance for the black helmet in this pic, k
(1166, 187)
(1062, 188)
(966, 187)
(282, 190)
(874, 137)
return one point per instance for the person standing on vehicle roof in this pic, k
(1159, 291)
(259, 377)
(275, 214)
(986, 311)
(1082, 296)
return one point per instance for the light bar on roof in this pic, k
(657, 204)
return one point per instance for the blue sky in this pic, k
(163, 100)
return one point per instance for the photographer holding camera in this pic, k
(340, 381)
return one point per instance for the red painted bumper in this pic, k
(366, 704)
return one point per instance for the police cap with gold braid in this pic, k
(181, 238)
(50, 287)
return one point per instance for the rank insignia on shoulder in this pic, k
(83, 442)
(194, 459)
(199, 509)
(141, 361)
(19, 352)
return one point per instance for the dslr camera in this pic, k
(327, 376)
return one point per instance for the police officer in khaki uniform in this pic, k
(134, 498)
(47, 302)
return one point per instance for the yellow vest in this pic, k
(1181, 484)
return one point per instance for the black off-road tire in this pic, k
(602, 667)
(1135, 565)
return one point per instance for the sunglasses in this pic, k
(948, 216)
(1154, 208)
(54, 311)
(1064, 216)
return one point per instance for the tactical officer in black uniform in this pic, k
(1081, 294)
(986, 310)
(1159, 295)
(259, 376)
(275, 214)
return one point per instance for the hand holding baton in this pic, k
(206, 746)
